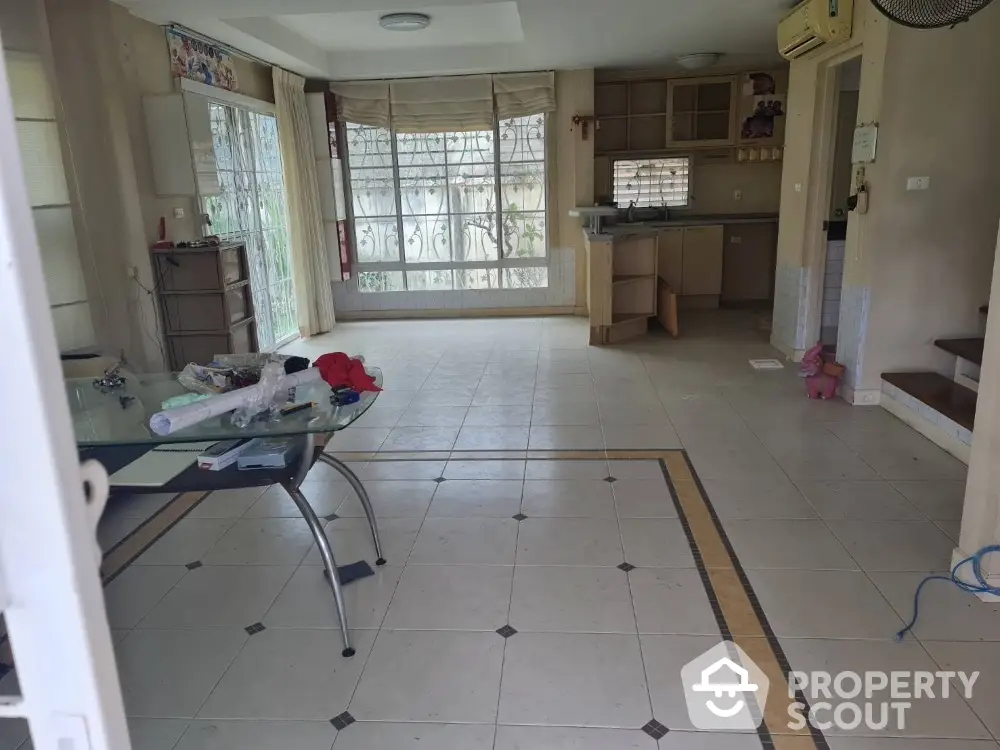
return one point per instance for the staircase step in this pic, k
(945, 396)
(970, 349)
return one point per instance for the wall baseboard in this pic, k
(933, 432)
(486, 312)
(790, 352)
(860, 397)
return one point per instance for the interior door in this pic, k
(50, 590)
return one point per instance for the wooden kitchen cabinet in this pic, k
(701, 111)
(670, 251)
(621, 286)
(702, 264)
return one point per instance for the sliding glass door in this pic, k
(250, 208)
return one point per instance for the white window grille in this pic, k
(652, 182)
(429, 211)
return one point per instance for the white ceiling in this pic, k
(341, 39)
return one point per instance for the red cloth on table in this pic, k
(339, 369)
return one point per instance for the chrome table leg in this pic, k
(362, 494)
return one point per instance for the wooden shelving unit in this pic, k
(622, 287)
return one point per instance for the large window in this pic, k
(250, 207)
(652, 182)
(441, 211)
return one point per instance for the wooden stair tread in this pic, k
(970, 349)
(945, 396)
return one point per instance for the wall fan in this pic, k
(929, 14)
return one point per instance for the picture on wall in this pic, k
(199, 61)
(766, 105)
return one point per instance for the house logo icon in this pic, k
(724, 689)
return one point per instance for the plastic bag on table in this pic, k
(206, 380)
(268, 396)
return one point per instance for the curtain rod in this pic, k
(216, 43)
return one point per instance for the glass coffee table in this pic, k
(112, 427)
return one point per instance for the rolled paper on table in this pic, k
(171, 420)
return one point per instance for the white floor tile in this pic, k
(709, 741)
(357, 439)
(324, 497)
(574, 679)
(629, 469)
(563, 599)
(136, 590)
(972, 657)
(451, 597)
(431, 676)
(656, 543)
(642, 437)
(392, 498)
(569, 541)
(499, 469)
(823, 604)
(379, 735)
(428, 415)
(256, 735)
(169, 673)
(564, 469)
(939, 500)
(774, 497)
(290, 674)
(458, 498)
(156, 734)
(398, 470)
(189, 540)
(565, 414)
(227, 503)
(565, 438)
(571, 738)
(262, 541)
(887, 545)
(495, 416)
(873, 501)
(492, 438)
(671, 601)
(307, 600)
(220, 596)
(663, 656)
(562, 498)
(806, 545)
(465, 541)
(643, 498)
(946, 612)
(937, 717)
(420, 439)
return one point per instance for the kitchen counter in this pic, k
(648, 227)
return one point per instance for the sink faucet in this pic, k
(630, 212)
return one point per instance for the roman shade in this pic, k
(363, 102)
(523, 94)
(435, 105)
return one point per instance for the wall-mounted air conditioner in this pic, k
(813, 24)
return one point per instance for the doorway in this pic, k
(835, 225)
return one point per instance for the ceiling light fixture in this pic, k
(698, 60)
(404, 21)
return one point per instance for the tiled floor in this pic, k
(834, 512)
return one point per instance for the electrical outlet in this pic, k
(737, 195)
(918, 183)
(736, 240)
(178, 213)
(132, 271)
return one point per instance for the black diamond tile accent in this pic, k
(626, 567)
(193, 565)
(519, 517)
(506, 631)
(440, 479)
(255, 628)
(610, 480)
(331, 517)
(342, 721)
(655, 729)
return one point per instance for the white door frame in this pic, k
(50, 588)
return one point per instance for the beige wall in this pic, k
(932, 251)
(574, 179)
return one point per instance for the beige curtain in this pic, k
(310, 262)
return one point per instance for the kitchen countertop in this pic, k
(647, 227)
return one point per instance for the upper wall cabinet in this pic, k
(650, 115)
(701, 110)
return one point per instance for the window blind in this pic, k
(455, 104)
(363, 102)
(652, 182)
(523, 94)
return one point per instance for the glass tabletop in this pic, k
(121, 416)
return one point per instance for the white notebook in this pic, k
(158, 466)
